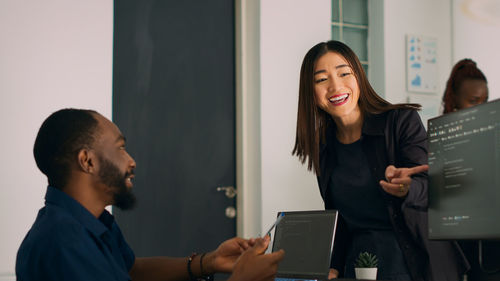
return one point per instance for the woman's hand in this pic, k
(399, 179)
(333, 273)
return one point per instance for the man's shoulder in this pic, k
(54, 233)
(53, 226)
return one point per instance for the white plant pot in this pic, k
(369, 273)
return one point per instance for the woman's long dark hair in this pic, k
(313, 121)
(463, 70)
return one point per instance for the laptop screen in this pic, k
(307, 238)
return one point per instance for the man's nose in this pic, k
(132, 162)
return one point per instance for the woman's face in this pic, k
(471, 92)
(335, 86)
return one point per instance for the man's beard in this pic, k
(110, 175)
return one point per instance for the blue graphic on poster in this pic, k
(421, 64)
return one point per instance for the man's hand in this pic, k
(399, 179)
(255, 265)
(224, 257)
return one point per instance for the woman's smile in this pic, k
(339, 99)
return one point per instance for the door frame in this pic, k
(248, 128)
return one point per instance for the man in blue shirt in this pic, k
(74, 238)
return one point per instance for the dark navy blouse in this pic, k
(357, 196)
(67, 242)
(359, 199)
(396, 137)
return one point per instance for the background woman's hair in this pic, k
(313, 121)
(463, 70)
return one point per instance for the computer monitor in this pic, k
(464, 173)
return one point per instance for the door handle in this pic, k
(228, 190)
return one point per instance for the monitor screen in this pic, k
(464, 173)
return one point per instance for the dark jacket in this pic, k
(397, 137)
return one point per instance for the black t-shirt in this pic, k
(354, 192)
(360, 201)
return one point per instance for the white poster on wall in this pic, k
(421, 64)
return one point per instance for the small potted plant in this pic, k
(365, 266)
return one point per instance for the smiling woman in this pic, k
(313, 110)
(370, 159)
(336, 90)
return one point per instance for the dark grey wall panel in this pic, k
(173, 98)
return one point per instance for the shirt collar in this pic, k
(96, 226)
(374, 124)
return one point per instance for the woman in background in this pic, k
(466, 87)
(369, 157)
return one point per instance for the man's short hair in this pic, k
(62, 135)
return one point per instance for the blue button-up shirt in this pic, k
(67, 242)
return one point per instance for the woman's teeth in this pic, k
(338, 99)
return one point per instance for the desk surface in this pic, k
(337, 279)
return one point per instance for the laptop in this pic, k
(307, 238)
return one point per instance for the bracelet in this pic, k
(190, 259)
(190, 272)
(204, 277)
(201, 263)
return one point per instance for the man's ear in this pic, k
(86, 160)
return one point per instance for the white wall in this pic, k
(54, 54)
(424, 17)
(475, 36)
(288, 29)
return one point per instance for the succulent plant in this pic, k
(366, 259)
